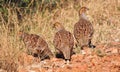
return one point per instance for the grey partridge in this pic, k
(83, 30)
(36, 45)
(63, 41)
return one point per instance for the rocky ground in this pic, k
(104, 58)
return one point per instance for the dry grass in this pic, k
(105, 16)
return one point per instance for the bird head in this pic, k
(58, 26)
(83, 10)
(21, 34)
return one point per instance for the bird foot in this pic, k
(92, 46)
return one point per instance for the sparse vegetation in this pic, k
(37, 17)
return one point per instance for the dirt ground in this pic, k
(104, 58)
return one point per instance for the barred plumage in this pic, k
(63, 41)
(83, 30)
(36, 45)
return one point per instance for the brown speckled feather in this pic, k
(64, 42)
(83, 30)
(36, 44)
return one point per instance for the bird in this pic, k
(36, 45)
(63, 41)
(83, 30)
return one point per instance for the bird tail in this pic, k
(67, 53)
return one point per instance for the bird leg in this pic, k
(67, 61)
(90, 45)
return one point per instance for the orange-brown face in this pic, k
(58, 26)
(20, 33)
(83, 10)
